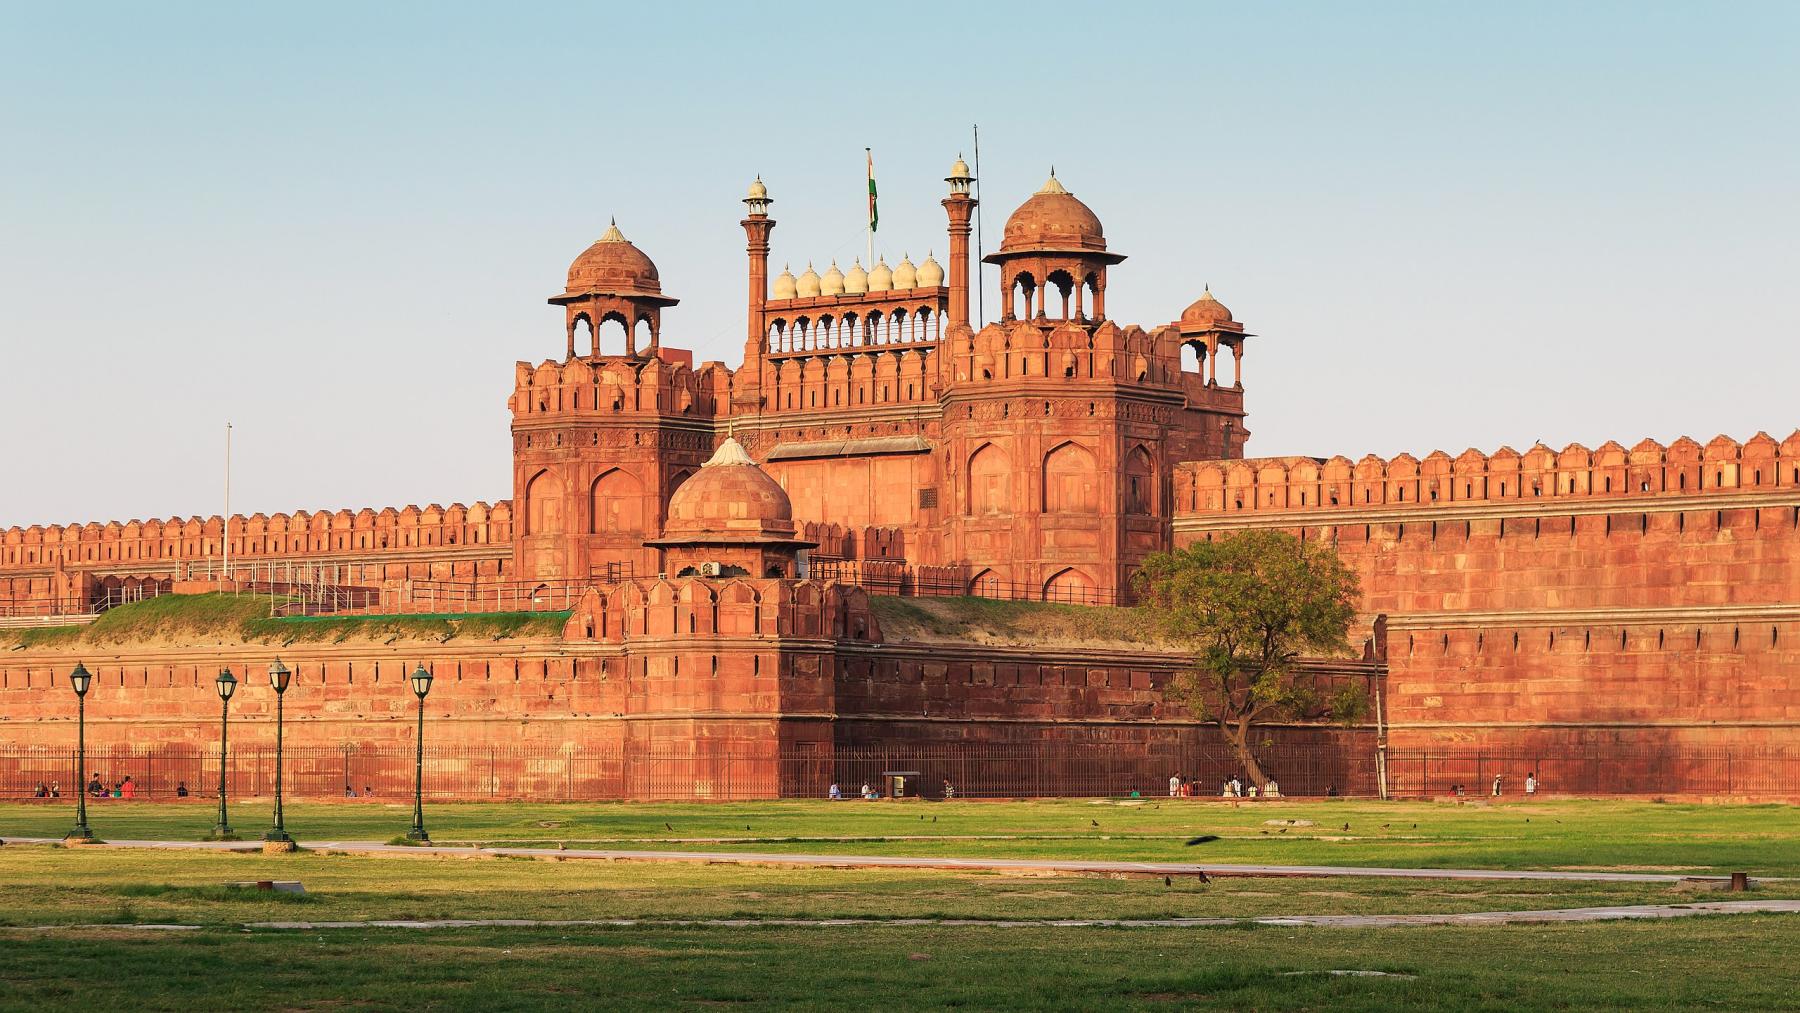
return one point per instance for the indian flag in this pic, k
(874, 216)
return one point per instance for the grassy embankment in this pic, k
(221, 618)
(1015, 623)
(204, 619)
(1543, 834)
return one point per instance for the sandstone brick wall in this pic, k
(1605, 599)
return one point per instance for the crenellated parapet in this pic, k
(663, 384)
(666, 609)
(1069, 350)
(1649, 469)
(366, 532)
(838, 541)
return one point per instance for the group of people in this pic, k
(1234, 787)
(96, 788)
(869, 794)
(1499, 786)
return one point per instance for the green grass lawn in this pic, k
(1739, 962)
(56, 886)
(1579, 834)
(66, 915)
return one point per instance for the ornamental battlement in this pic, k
(301, 533)
(1649, 469)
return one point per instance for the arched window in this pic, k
(1071, 480)
(543, 505)
(1071, 586)
(1140, 483)
(617, 503)
(990, 481)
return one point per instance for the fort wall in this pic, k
(767, 679)
(1606, 598)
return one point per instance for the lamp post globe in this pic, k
(277, 835)
(79, 679)
(226, 684)
(421, 685)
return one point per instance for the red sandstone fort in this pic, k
(718, 534)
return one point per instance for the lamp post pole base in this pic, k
(276, 842)
(223, 833)
(79, 835)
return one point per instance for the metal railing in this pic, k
(761, 771)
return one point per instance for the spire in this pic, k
(731, 453)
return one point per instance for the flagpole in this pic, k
(227, 542)
(869, 225)
(980, 269)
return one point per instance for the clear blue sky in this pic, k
(336, 225)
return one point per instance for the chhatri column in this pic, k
(960, 206)
(757, 226)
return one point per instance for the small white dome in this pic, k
(809, 283)
(833, 282)
(906, 275)
(958, 169)
(931, 274)
(786, 286)
(857, 281)
(758, 191)
(882, 278)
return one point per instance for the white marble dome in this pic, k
(786, 285)
(931, 273)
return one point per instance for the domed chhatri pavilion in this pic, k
(730, 520)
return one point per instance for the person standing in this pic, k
(1497, 785)
(1175, 784)
(127, 789)
(1531, 784)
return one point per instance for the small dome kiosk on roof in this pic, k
(833, 281)
(1208, 314)
(1053, 220)
(809, 282)
(614, 266)
(905, 274)
(733, 516)
(730, 494)
(856, 282)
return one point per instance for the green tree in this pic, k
(1251, 604)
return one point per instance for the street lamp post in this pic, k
(277, 838)
(421, 684)
(78, 681)
(226, 684)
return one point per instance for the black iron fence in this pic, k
(1772, 771)
(755, 771)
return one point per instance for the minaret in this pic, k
(961, 208)
(757, 226)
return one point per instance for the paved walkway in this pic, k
(1582, 914)
(1053, 865)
